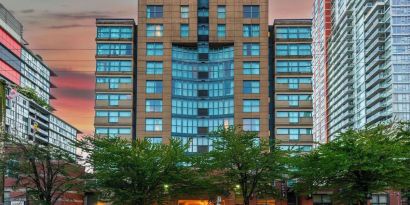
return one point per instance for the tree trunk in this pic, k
(246, 200)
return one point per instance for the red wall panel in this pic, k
(10, 42)
(9, 73)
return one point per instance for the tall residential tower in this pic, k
(367, 72)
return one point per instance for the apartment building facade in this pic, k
(115, 77)
(292, 83)
(198, 65)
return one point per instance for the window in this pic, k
(301, 148)
(379, 199)
(293, 66)
(113, 116)
(114, 66)
(112, 132)
(155, 49)
(251, 30)
(184, 30)
(153, 125)
(251, 11)
(114, 49)
(251, 87)
(113, 83)
(203, 12)
(153, 106)
(294, 117)
(221, 11)
(154, 67)
(294, 83)
(155, 30)
(113, 99)
(251, 68)
(185, 11)
(203, 29)
(154, 140)
(293, 50)
(251, 125)
(321, 199)
(154, 87)
(221, 30)
(111, 32)
(251, 49)
(293, 33)
(251, 106)
(155, 11)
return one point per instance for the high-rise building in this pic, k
(320, 34)
(25, 111)
(195, 66)
(115, 62)
(367, 74)
(25, 91)
(292, 79)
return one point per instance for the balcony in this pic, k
(103, 121)
(286, 121)
(285, 87)
(105, 87)
(104, 104)
(301, 104)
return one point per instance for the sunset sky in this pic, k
(63, 33)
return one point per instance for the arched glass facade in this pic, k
(202, 93)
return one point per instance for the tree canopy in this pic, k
(358, 163)
(240, 161)
(141, 172)
(46, 172)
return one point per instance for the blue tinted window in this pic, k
(184, 30)
(114, 32)
(113, 116)
(293, 33)
(221, 30)
(113, 82)
(221, 11)
(153, 125)
(203, 29)
(154, 87)
(154, 140)
(251, 11)
(113, 99)
(293, 50)
(155, 49)
(293, 66)
(112, 132)
(154, 67)
(153, 106)
(114, 49)
(251, 87)
(251, 106)
(251, 125)
(114, 66)
(185, 11)
(251, 49)
(251, 30)
(155, 30)
(251, 68)
(155, 11)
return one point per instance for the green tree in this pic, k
(242, 163)
(46, 172)
(356, 164)
(140, 172)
